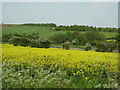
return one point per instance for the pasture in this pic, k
(44, 32)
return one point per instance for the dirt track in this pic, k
(71, 48)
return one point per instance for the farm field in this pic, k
(60, 45)
(23, 67)
(0, 77)
(0, 66)
(44, 32)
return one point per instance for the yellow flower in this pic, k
(86, 78)
(80, 62)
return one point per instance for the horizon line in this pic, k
(60, 24)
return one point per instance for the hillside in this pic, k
(44, 32)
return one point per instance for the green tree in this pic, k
(59, 38)
(66, 45)
(93, 37)
(69, 36)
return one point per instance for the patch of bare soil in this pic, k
(71, 48)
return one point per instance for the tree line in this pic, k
(40, 24)
(72, 27)
(84, 28)
(89, 39)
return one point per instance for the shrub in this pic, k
(105, 47)
(33, 36)
(33, 43)
(76, 33)
(15, 40)
(22, 41)
(43, 43)
(101, 47)
(75, 42)
(6, 37)
(66, 45)
(18, 35)
(92, 37)
(59, 38)
(69, 36)
(87, 46)
(111, 46)
(79, 38)
(117, 38)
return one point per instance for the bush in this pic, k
(75, 42)
(81, 39)
(22, 41)
(6, 37)
(43, 43)
(66, 45)
(33, 42)
(93, 37)
(76, 33)
(105, 46)
(117, 38)
(18, 35)
(69, 36)
(59, 38)
(15, 40)
(87, 46)
(111, 46)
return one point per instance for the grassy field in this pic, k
(44, 32)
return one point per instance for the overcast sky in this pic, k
(103, 14)
(60, 0)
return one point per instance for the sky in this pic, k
(59, 0)
(100, 14)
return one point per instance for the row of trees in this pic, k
(6, 37)
(32, 40)
(23, 41)
(84, 28)
(100, 46)
(72, 27)
(40, 24)
(78, 38)
(88, 40)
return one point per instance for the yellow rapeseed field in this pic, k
(74, 62)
